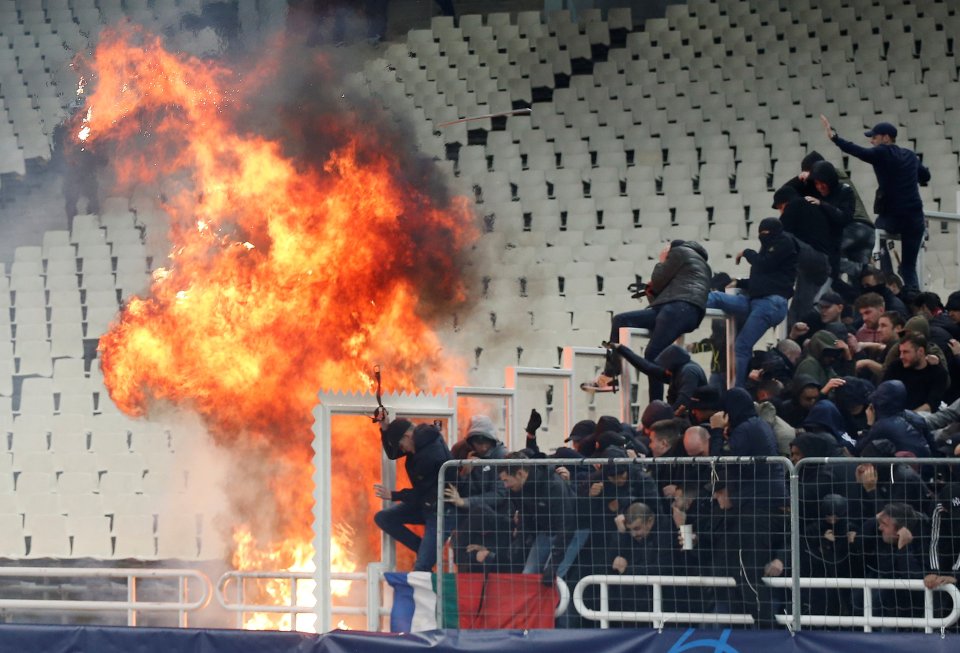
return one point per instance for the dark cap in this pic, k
(953, 301)
(706, 397)
(881, 129)
(581, 430)
(829, 299)
(784, 195)
(654, 412)
(396, 430)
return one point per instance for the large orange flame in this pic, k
(295, 266)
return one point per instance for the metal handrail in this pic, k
(242, 607)
(869, 621)
(656, 616)
(131, 606)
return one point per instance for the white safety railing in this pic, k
(243, 606)
(656, 615)
(868, 621)
(132, 606)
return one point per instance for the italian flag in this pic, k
(511, 601)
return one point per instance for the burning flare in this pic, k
(300, 259)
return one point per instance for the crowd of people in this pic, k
(870, 369)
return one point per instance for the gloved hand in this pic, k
(534, 422)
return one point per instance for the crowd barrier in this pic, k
(756, 543)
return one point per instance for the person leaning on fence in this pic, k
(643, 544)
(677, 292)
(829, 544)
(746, 545)
(893, 547)
(425, 451)
(545, 507)
(881, 483)
(483, 486)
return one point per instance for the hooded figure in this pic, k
(889, 403)
(837, 201)
(761, 484)
(825, 417)
(483, 486)
(852, 399)
(804, 393)
(823, 355)
(828, 539)
(673, 366)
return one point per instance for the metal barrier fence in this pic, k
(844, 543)
(132, 605)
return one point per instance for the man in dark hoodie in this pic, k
(810, 226)
(425, 451)
(859, 235)
(483, 487)
(837, 202)
(925, 383)
(898, 205)
(773, 273)
(887, 405)
(826, 357)
(677, 292)
(761, 485)
(673, 366)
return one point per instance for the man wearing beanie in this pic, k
(773, 272)
(425, 451)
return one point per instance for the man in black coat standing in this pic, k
(898, 205)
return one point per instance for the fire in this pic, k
(292, 269)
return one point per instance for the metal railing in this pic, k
(868, 621)
(373, 609)
(132, 605)
(656, 616)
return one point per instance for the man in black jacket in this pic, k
(898, 205)
(545, 506)
(425, 452)
(838, 202)
(677, 292)
(809, 225)
(773, 271)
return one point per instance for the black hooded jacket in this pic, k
(761, 484)
(838, 205)
(810, 225)
(890, 402)
(423, 468)
(773, 270)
